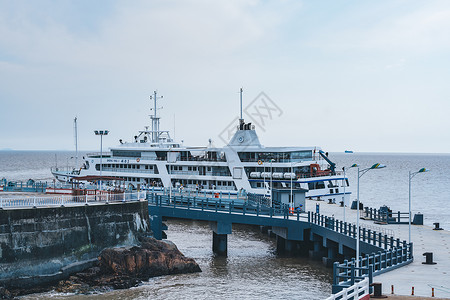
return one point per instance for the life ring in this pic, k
(260, 162)
(138, 159)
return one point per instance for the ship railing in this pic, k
(98, 154)
(146, 171)
(199, 193)
(65, 169)
(35, 202)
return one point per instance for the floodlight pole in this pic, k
(101, 133)
(361, 173)
(411, 175)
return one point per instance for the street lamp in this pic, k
(411, 175)
(345, 184)
(361, 173)
(271, 185)
(101, 133)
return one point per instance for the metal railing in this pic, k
(218, 205)
(18, 186)
(24, 202)
(379, 239)
(348, 273)
(354, 292)
(384, 216)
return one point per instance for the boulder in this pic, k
(125, 267)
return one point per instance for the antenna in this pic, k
(240, 92)
(76, 141)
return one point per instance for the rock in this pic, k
(152, 258)
(5, 294)
(121, 268)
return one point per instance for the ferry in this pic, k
(153, 159)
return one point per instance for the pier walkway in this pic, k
(423, 277)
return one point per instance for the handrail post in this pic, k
(352, 275)
(335, 273)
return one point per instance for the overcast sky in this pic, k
(370, 76)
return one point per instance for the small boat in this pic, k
(348, 151)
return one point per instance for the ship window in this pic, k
(194, 168)
(189, 168)
(209, 168)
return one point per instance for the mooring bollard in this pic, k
(377, 290)
(436, 226)
(428, 258)
(392, 289)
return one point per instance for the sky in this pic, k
(367, 76)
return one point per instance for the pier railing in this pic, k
(370, 236)
(385, 216)
(393, 253)
(26, 202)
(218, 205)
(358, 290)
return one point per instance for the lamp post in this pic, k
(291, 202)
(361, 173)
(411, 175)
(101, 133)
(271, 185)
(345, 184)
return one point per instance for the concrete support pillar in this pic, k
(220, 241)
(317, 253)
(330, 258)
(220, 244)
(281, 245)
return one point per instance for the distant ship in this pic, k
(348, 151)
(153, 158)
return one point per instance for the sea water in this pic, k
(252, 269)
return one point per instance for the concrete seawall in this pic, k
(41, 245)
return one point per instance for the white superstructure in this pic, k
(153, 158)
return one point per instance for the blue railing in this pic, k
(348, 273)
(218, 205)
(18, 186)
(385, 216)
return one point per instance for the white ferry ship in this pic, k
(153, 158)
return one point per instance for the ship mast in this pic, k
(241, 120)
(155, 118)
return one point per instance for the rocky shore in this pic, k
(121, 268)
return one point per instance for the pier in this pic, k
(323, 236)
(423, 277)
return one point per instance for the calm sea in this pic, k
(252, 269)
